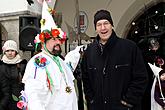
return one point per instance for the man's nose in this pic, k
(103, 26)
(58, 41)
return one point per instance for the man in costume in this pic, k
(48, 79)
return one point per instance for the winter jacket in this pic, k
(14, 73)
(4, 91)
(113, 73)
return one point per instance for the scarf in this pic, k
(15, 60)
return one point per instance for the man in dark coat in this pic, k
(113, 71)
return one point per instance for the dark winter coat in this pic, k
(112, 73)
(14, 73)
(4, 92)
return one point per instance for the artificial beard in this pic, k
(56, 52)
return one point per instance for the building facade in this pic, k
(123, 14)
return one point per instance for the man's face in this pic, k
(104, 29)
(53, 46)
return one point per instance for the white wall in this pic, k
(15, 6)
(8, 6)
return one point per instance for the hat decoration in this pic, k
(49, 28)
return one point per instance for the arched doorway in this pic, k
(151, 24)
(148, 27)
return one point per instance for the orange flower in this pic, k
(55, 32)
(41, 37)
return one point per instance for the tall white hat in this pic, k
(48, 26)
(155, 69)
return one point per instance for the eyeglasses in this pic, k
(99, 25)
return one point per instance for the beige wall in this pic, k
(122, 11)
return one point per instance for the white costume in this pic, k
(49, 80)
(37, 88)
(154, 104)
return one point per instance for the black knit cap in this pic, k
(102, 14)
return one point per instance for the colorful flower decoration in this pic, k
(22, 100)
(46, 34)
(37, 40)
(41, 61)
(49, 29)
(55, 32)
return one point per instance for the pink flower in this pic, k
(20, 104)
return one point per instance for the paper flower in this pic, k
(22, 100)
(41, 61)
(46, 34)
(20, 104)
(55, 32)
(37, 39)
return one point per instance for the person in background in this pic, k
(12, 67)
(151, 55)
(159, 94)
(113, 70)
(158, 88)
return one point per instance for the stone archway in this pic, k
(146, 8)
(143, 39)
(133, 12)
(150, 24)
(3, 36)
